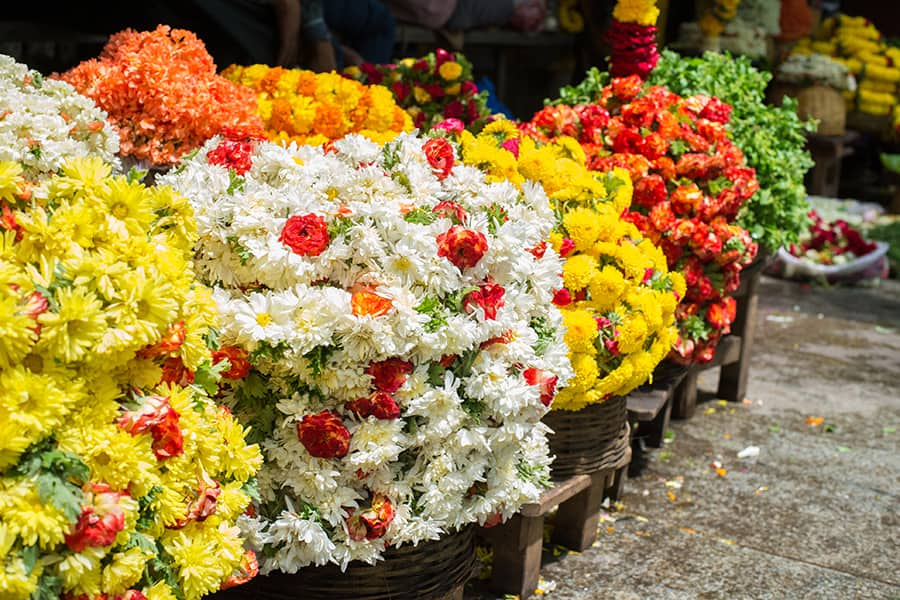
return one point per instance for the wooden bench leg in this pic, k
(733, 377)
(577, 518)
(656, 429)
(517, 555)
(616, 483)
(684, 400)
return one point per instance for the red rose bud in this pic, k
(462, 247)
(453, 112)
(306, 235)
(401, 91)
(468, 88)
(324, 435)
(566, 247)
(602, 322)
(488, 296)
(389, 375)
(175, 371)
(612, 346)
(716, 110)
(158, 417)
(246, 570)
(512, 145)
(649, 191)
(101, 518)
(562, 297)
(371, 523)
(441, 56)
(545, 380)
(452, 125)
(239, 366)
(439, 153)
(447, 209)
(539, 250)
(648, 275)
(380, 405)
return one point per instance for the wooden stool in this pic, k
(518, 543)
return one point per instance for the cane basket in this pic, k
(820, 102)
(427, 571)
(588, 440)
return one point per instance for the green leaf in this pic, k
(463, 366)
(243, 253)
(420, 216)
(30, 555)
(49, 587)
(65, 496)
(436, 374)
(235, 182)
(546, 334)
(339, 227)
(136, 175)
(208, 375)
(318, 358)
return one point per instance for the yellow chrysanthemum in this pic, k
(606, 286)
(578, 271)
(450, 70)
(26, 516)
(581, 330)
(642, 12)
(203, 556)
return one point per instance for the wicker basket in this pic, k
(820, 102)
(428, 571)
(590, 439)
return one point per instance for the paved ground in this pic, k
(815, 515)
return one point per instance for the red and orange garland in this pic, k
(632, 38)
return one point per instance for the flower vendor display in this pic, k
(432, 88)
(398, 317)
(162, 94)
(632, 38)
(833, 243)
(618, 298)
(119, 476)
(717, 15)
(815, 69)
(689, 184)
(44, 122)
(771, 137)
(314, 108)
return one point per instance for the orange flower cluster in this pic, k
(162, 93)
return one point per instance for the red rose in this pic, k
(439, 153)
(566, 248)
(171, 341)
(324, 435)
(175, 371)
(612, 346)
(101, 518)
(545, 380)
(441, 56)
(562, 297)
(157, 416)
(401, 91)
(463, 247)
(468, 88)
(373, 75)
(371, 523)
(454, 111)
(661, 217)
(716, 110)
(380, 405)
(232, 154)
(365, 301)
(130, 595)
(488, 296)
(448, 209)
(237, 359)
(626, 88)
(389, 375)
(649, 191)
(451, 124)
(306, 235)
(204, 503)
(512, 145)
(721, 314)
(686, 199)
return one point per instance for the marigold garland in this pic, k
(689, 183)
(432, 88)
(162, 94)
(314, 108)
(118, 479)
(618, 297)
(632, 38)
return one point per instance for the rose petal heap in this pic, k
(314, 108)
(831, 243)
(403, 338)
(689, 183)
(632, 38)
(617, 296)
(162, 94)
(44, 122)
(432, 88)
(116, 480)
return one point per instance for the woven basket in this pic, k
(428, 571)
(590, 439)
(818, 102)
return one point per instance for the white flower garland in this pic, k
(44, 122)
(468, 444)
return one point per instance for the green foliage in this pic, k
(890, 233)
(59, 476)
(585, 92)
(771, 137)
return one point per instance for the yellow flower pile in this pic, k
(111, 482)
(618, 298)
(858, 45)
(310, 108)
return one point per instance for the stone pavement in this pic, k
(816, 514)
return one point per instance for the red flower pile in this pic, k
(162, 93)
(432, 88)
(831, 243)
(690, 181)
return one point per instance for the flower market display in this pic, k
(162, 94)
(432, 88)
(314, 108)
(632, 38)
(618, 299)
(815, 69)
(831, 243)
(689, 184)
(395, 307)
(44, 122)
(719, 14)
(118, 478)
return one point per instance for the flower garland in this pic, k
(162, 94)
(310, 108)
(689, 183)
(720, 13)
(117, 478)
(45, 122)
(632, 38)
(617, 297)
(432, 88)
(403, 336)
